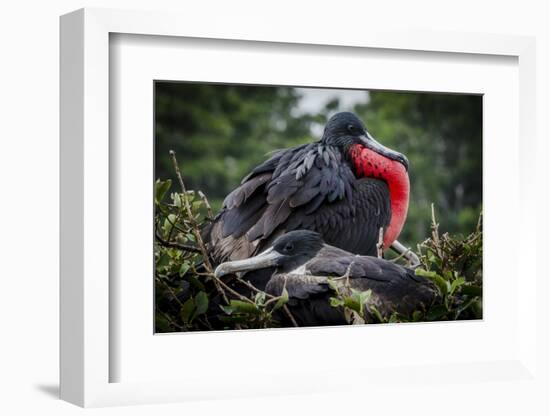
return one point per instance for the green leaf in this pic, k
(196, 283)
(201, 302)
(435, 278)
(456, 284)
(161, 187)
(187, 311)
(332, 284)
(335, 302)
(282, 300)
(161, 323)
(417, 316)
(259, 299)
(171, 219)
(244, 307)
(357, 300)
(177, 200)
(436, 313)
(184, 268)
(353, 303)
(196, 205)
(190, 195)
(363, 297)
(163, 260)
(471, 303)
(472, 290)
(374, 310)
(227, 309)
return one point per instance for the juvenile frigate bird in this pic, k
(303, 264)
(346, 186)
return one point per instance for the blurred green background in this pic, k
(220, 132)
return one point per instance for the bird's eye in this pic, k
(289, 247)
(351, 128)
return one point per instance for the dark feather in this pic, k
(309, 186)
(393, 288)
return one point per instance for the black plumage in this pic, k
(303, 264)
(312, 186)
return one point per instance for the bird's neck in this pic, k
(369, 164)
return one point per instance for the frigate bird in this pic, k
(303, 265)
(346, 186)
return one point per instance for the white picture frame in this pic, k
(87, 356)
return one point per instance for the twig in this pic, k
(231, 290)
(170, 290)
(208, 324)
(221, 286)
(207, 204)
(276, 298)
(252, 287)
(196, 229)
(173, 225)
(435, 233)
(289, 315)
(169, 319)
(348, 272)
(172, 244)
(380, 244)
(286, 310)
(479, 222)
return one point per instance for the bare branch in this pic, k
(169, 319)
(196, 228)
(380, 244)
(207, 204)
(286, 310)
(172, 244)
(290, 316)
(158, 279)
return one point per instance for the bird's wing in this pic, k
(394, 287)
(308, 299)
(246, 204)
(300, 287)
(313, 177)
(306, 187)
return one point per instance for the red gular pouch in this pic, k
(369, 164)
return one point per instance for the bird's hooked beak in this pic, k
(266, 259)
(371, 143)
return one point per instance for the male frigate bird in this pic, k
(346, 186)
(303, 264)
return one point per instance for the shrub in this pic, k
(189, 297)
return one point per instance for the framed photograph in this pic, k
(247, 207)
(320, 195)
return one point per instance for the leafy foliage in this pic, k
(454, 265)
(189, 298)
(221, 132)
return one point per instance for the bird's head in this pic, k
(346, 131)
(288, 252)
